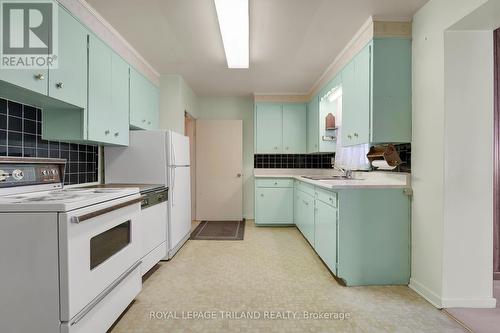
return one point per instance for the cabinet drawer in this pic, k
(307, 188)
(274, 182)
(327, 197)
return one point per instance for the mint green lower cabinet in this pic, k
(274, 206)
(373, 237)
(325, 234)
(305, 216)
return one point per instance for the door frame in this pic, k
(190, 131)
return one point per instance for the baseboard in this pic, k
(426, 293)
(487, 302)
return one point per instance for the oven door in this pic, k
(97, 245)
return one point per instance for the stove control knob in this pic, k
(17, 174)
(53, 171)
(45, 172)
(3, 175)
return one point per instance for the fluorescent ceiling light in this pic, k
(234, 28)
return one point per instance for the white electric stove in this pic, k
(70, 257)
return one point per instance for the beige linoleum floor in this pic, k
(272, 271)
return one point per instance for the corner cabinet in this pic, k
(273, 201)
(280, 128)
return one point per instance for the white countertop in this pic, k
(372, 179)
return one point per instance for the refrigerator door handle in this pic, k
(173, 185)
(172, 147)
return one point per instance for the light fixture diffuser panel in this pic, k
(233, 19)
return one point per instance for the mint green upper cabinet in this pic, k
(274, 205)
(31, 79)
(325, 235)
(360, 125)
(268, 128)
(294, 129)
(313, 125)
(280, 128)
(376, 88)
(68, 82)
(154, 113)
(144, 102)
(349, 113)
(120, 100)
(100, 111)
(391, 92)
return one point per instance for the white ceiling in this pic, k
(292, 42)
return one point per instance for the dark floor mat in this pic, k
(219, 230)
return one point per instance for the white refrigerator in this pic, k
(157, 157)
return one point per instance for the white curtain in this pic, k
(351, 158)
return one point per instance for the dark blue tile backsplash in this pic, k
(21, 136)
(293, 161)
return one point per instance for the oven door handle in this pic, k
(80, 315)
(85, 217)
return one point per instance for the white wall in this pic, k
(176, 97)
(236, 108)
(436, 233)
(468, 173)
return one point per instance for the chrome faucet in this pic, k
(348, 174)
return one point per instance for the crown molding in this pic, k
(277, 98)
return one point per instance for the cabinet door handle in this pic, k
(275, 148)
(106, 132)
(59, 85)
(149, 123)
(144, 120)
(287, 148)
(262, 195)
(238, 175)
(40, 76)
(117, 134)
(356, 135)
(349, 136)
(275, 183)
(305, 202)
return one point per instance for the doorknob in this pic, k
(238, 175)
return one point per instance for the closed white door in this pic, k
(219, 181)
